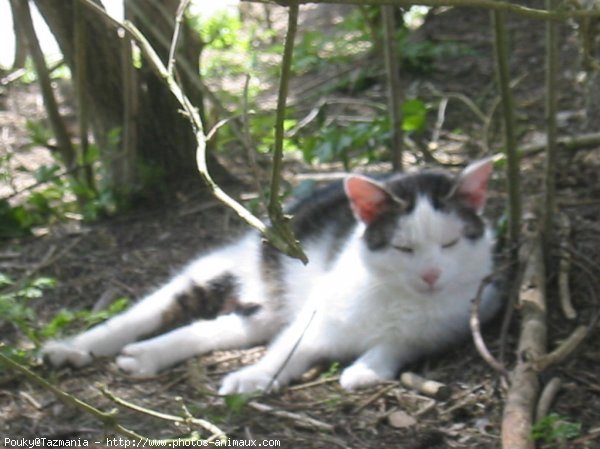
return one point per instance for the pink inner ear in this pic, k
(473, 183)
(367, 198)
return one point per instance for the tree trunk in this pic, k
(161, 148)
(20, 46)
(164, 133)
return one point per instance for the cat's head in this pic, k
(425, 231)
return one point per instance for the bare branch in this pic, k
(476, 330)
(512, 158)
(551, 127)
(183, 4)
(279, 222)
(563, 270)
(393, 82)
(564, 350)
(547, 397)
(302, 420)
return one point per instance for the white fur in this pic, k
(368, 307)
(373, 307)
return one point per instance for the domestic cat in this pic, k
(394, 265)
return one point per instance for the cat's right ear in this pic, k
(368, 199)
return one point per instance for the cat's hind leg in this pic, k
(231, 331)
(109, 337)
(204, 289)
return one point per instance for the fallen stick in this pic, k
(302, 420)
(431, 388)
(517, 421)
(571, 143)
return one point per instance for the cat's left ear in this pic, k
(368, 199)
(472, 184)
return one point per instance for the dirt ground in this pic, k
(131, 254)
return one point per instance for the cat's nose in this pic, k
(431, 276)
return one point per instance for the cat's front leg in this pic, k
(290, 355)
(378, 364)
(271, 373)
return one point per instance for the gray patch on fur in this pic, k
(218, 296)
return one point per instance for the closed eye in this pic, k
(404, 249)
(450, 244)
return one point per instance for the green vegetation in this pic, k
(15, 299)
(555, 431)
(328, 138)
(16, 307)
(57, 194)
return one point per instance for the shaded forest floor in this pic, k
(131, 254)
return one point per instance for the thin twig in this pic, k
(470, 104)
(547, 397)
(291, 353)
(107, 418)
(216, 433)
(476, 330)
(299, 419)
(374, 397)
(314, 383)
(439, 123)
(286, 64)
(390, 48)
(564, 268)
(250, 148)
(564, 350)
(551, 127)
(512, 158)
(278, 220)
(183, 4)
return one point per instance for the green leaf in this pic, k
(46, 173)
(5, 280)
(14, 221)
(61, 320)
(414, 115)
(44, 282)
(236, 402)
(93, 318)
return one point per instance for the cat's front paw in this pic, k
(138, 359)
(359, 376)
(65, 352)
(251, 379)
